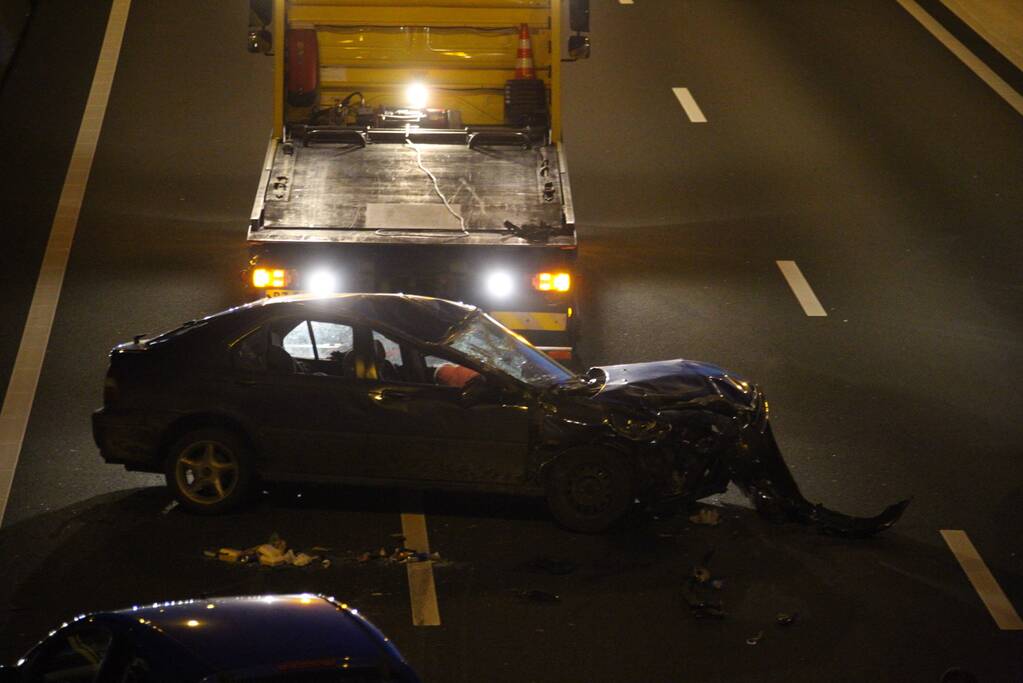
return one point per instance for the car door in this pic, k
(300, 395)
(422, 430)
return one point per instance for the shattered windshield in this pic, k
(483, 339)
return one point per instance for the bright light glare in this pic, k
(500, 284)
(416, 95)
(322, 282)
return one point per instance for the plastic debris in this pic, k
(706, 516)
(755, 638)
(325, 564)
(785, 619)
(273, 553)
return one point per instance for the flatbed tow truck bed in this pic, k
(378, 194)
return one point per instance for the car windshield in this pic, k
(485, 340)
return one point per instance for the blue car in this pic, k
(259, 638)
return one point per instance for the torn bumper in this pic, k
(759, 470)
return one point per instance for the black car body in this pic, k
(416, 391)
(249, 638)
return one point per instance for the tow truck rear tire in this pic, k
(209, 471)
(589, 489)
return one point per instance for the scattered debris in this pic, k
(539, 596)
(755, 638)
(717, 584)
(325, 564)
(701, 607)
(701, 574)
(273, 553)
(785, 619)
(706, 516)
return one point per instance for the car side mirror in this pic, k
(579, 46)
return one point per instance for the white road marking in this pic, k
(422, 590)
(984, 583)
(994, 81)
(801, 288)
(693, 111)
(28, 364)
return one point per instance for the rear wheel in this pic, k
(589, 489)
(208, 470)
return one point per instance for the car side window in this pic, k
(317, 340)
(74, 656)
(250, 352)
(299, 342)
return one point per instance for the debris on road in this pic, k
(755, 638)
(273, 553)
(701, 574)
(785, 619)
(706, 516)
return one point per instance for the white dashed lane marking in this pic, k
(422, 590)
(693, 111)
(801, 288)
(983, 581)
(28, 364)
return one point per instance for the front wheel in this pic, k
(589, 489)
(208, 471)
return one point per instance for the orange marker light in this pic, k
(552, 282)
(268, 277)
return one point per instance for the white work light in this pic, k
(500, 284)
(322, 282)
(416, 95)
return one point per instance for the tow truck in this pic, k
(416, 148)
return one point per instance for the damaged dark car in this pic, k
(408, 391)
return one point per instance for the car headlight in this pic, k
(500, 284)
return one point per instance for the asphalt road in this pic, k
(840, 135)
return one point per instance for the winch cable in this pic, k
(436, 187)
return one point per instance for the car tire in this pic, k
(209, 471)
(589, 489)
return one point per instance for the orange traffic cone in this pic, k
(524, 57)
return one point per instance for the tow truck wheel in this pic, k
(208, 471)
(589, 489)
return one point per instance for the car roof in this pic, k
(285, 632)
(421, 317)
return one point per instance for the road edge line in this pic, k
(35, 337)
(965, 55)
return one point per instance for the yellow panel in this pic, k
(317, 15)
(538, 320)
(543, 4)
(406, 46)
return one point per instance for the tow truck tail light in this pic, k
(269, 277)
(552, 282)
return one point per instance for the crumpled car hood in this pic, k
(661, 384)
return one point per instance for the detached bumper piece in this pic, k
(765, 478)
